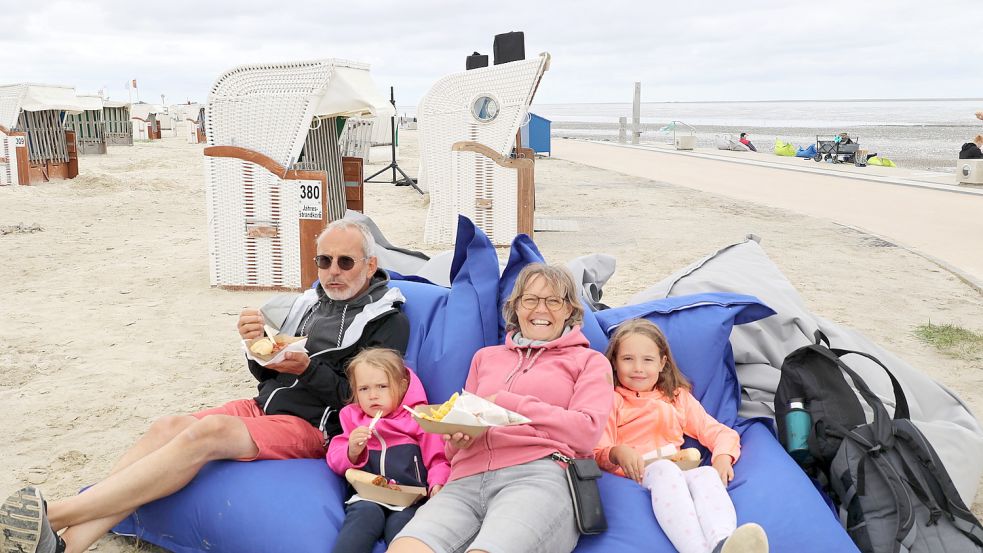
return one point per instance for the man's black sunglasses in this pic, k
(345, 263)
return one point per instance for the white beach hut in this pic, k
(468, 123)
(89, 126)
(273, 168)
(34, 145)
(119, 126)
(145, 123)
(189, 121)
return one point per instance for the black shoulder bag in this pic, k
(582, 476)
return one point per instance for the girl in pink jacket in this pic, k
(653, 410)
(396, 447)
(505, 493)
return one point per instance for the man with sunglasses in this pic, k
(351, 308)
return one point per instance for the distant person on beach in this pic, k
(294, 415)
(979, 115)
(507, 489)
(972, 150)
(747, 142)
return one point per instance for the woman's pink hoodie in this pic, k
(563, 386)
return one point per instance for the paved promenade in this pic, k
(924, 212)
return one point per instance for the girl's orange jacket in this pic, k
(647, 421)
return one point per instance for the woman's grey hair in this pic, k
(558, 278)
(368, 242)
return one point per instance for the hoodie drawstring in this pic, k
(515, 371)
(341, 327)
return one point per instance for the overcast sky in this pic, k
(680, 51)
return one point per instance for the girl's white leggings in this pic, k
(692, 506)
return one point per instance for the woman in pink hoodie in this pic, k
(505, 493)
(381, 437)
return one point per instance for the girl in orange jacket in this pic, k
(653, 410)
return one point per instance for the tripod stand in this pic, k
(406, 180)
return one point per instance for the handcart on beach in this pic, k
(830, 148)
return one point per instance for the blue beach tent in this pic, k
(536, 134)
(297, 505)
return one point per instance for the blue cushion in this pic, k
(447, 326)
(296, 506)
(698, 329)
(768, 488)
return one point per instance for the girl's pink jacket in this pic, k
(563, 386)
(647, 421)
(411, 456)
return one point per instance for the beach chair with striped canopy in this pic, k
(468, 123)
(273, 167)
(34, 145)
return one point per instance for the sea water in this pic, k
(917, 134)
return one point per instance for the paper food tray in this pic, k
(462, 417)
(294, 343)
(362, 482)
(690, 459)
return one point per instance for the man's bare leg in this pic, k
(138, 480)
(161, 432)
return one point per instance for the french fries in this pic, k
(437, 413)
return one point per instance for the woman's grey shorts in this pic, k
(511, 510)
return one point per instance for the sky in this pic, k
(679, 51)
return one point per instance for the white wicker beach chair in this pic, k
(273, 166)
(484, 106)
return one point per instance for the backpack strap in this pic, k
(962, 518)
(900, 400)
(881, 427)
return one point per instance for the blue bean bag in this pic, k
(809, 152)
(296, 506)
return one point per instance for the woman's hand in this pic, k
(459, 440)
(724, 465)
(434, 489)
(629, 460)
(357, 441)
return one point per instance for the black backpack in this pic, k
(892, 490)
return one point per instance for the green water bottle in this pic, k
(797, 424)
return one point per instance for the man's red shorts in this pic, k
(276, 436)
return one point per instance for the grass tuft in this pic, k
(952, 340)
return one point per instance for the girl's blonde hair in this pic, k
(389, 361)
(671, 379)
(556, 277)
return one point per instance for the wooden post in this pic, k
(622, 130)
(636, 114)
(526, 193)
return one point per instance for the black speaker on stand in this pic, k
(393, 165)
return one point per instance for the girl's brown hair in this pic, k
(671, 379)
(389, 361)
(556, 277)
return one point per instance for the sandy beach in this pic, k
(109, 321)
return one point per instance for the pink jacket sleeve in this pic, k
(609, 439)
(581, 424)
(718, 438)
(432, 447)
(337, 456)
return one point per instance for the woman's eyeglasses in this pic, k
(345, 263)
(531, 301)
